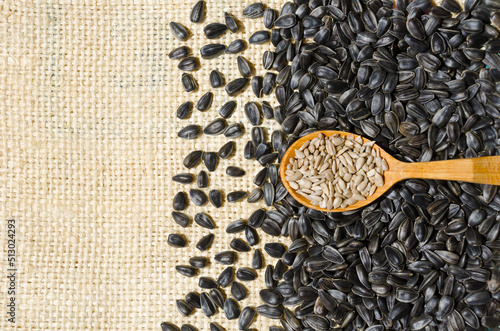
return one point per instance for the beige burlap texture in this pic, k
(89, 144)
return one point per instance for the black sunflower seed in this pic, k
(180, 201)
(189, 84)
(235, 171)
(179, 31)
(257, 218)
(269, 17)
(231, 23)
(189, 63)
(244, 67)
(205, 242)
(255, 10)
(187, 271)
(166, 326)
(215, 127)
(239, 245)
(217, 297)
(286, 21)
(251, 236)
(249, 150)
(227, 109)
(198, 262)
(214, 30)
(236, 196)
(233, 131)
(257, 259)
(275, 250)
(269, 193)
(236, 46)
(259, 37)
(246, 274)
(226, 277)
(183, 178)
(257, 83)
(216, 79)
(204, 220)
(211, 51)
(179, 53)
(207, 283)
(271, 227)
(226, 150)
(198, 12)
(270, 312)
(231, 309)
(198, 197)
(176, 240)
(252, 113)
(191, 131)
(211, 159)
(235, 86)
(205, 101)
(207, 305)
(215, 327)
(181, 219)
(183, 307)
(184, 110)
(246, 318)
(215, 198)
(236, 226)
(255, 195)
(226, 257)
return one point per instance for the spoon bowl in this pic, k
(482, 170)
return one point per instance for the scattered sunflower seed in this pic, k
(184, 110)
(226, 150)
(188, 83)
(198, 12)
(236, 196)
(205, 242)
(231, 23)
(189, 63)
(179, 31)
(235, 171)
(236, 46)
(214, 30)
(216, 79)
(215, 198)
(204, 220)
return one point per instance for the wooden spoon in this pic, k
(481, 170)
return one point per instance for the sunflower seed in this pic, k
(255, 196)
(211, 51)
(275, 250)
(183, 307)
(214, 30)
(198, 262)
(249, 151)
(165, 326)
(176, 240)
(189, 63)
(236, 226)
(269, 17)
(235, 86)
(239, 245)
(207, 306)
(244, 67)
(256, 84)
(251, 236)
(184, 110)
(227, 109)
(179, 31)
(189, 84)
(211, 159)
(198, 197)
(255, 10)
(270, 312)
(187, 271)
(231, 23)
(252, 113)
(236, 196)
(226, 257)
(205, 101)
(191, 131)
(215, 127)
(226, 150)
(231, 309)
(179, 53)
(193, 299)
(204, 220)
(236, 46)
(225, 277)
(246, 318)
(181, 219)
(257, 259)
(246, 274)
(215, 327)
(198, 12)
(215, 198)
(183, 178)
(259, 37)
(216, 79)
(235, 171)
(180, 201)
(205, 242)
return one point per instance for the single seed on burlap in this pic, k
(180, 201)
(184, 109)
(226, 277)
(211, 159)
(211, 51)
(205, 101)
(176, 240)
(236, 46)
(198, 197)
(214, 30)
(205, 242)
(179, 31)
(181, 219)
(254, 10)
(236, 196)
(187, 271)
(204, 220)
(183, 307)
(226, 257)
(235, 86)
(198, 12)
(216, 79)
(188, 83)
(239, 245)
(236, 226)
(166, 326)
(238, 291)
(207, 305)
(183, 178)
(231, 23)
(189, 63)
(215, 198)
(198, 262)
(179, 53)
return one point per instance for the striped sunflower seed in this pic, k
(183, 178)
(231, 22)
(211, 159)
(236, 196)
(179, 31)
(179, 53)
(235, 86)
(215, 198)
(176, 240)
(189, 63)
(205, 242)
(181, 219)
(180, 201)
(226, 277)
(211, 51)
(226, 150)
(205, 101)
(238, 291)
(227, 109)
(214, 30)
(189, 83)
(183, 307)
(216, 79)
(198, 197)
(226, 257)
(235, 171)
(198, 12)
(236, 46)
(198, 262)
(191, 131)
(259, 37)
(204, 220)
(184, 110)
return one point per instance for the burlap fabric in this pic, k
(89, 144)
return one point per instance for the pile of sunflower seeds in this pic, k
(420, 80)
(333, 172)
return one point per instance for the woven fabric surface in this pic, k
(88, 147)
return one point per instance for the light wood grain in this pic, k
(482, 170)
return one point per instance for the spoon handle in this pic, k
(481, 170)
